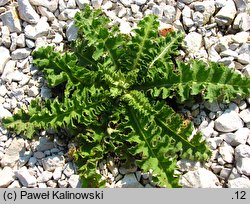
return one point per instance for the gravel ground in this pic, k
(216, 30)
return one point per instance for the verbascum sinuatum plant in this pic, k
(115, 97)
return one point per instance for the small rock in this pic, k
(169, 13)
(20, 53)
(241, 136)
(188, 165)
(11, 20)
(244, 58)
(226, 14)
(245, 115)
(52, 184)
(15, 184)
(50, 4)
(26, 12)
(62, 183)
(242, 151)
(229, 121)
(193, 41)
(33, 91)
(32, 161)
(241, 5)
(21, 40)
(242, 22)
(5, 56)
(126, 3)
(44, 176)
(243, 166)
(52, 162)
(69, 169)
(125, 27)
(39, 30)
(13, 152)
(45, 12)
(229, 53)
(81, 3)
(240, 37)
(23, 159)
(71, 32)
(241, 182)
(226, 152)
(3, 2)
(128, 181)
(206, 7)
(96, 3)
(25, 178)
(7, 177)
(39, 155)
(200, 178)
(140, 2)
(74, 181)
(57, 173)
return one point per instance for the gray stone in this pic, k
(188, 165)
(226, 14)
(81, 3)
(242, 22)
(241, 5)
(26, 12)
(241, 182)
(213, 106)
(242, 151)
(69, 169)
(126, 3)
(74, 181)
(226, 152)
(13, 152)
(71, 32)
(23, 159)
(39, 30)
(39, 155)
(45, 12)
(206, 7)
(193, 41)
(11, 20)
(67, 14)
(241, 136)
(213, 143)
(200, 178)
(71, 4)
(140, 2)
(32, 161)
(15, 184)
(26, 179)
(3, 2)
(52, 184)
(96, 3)
(3, 90)
(188, 22)
(33, 91)
(6, 177)
(245, 115)
(169, 13)
(125, 27)
(49, 4)
(45, 92)
(20, 53)
(44, 176)
(5, 56)
(229, 121)
(52, 162)
(62, 183)
(243, 166)
(128, 181)
(4, 112)
(6, 36)
(244, 58)
(57, 173)
(229, 53)
(240, 37)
